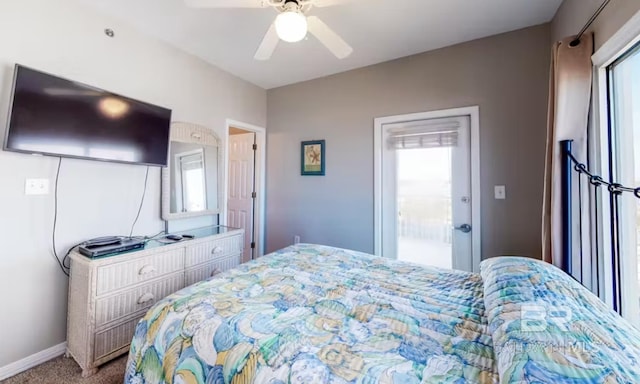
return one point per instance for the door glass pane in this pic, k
(626, 165)
(424, 206)
(194, 189)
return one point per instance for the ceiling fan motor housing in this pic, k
(291, 6)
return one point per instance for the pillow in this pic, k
(548, 328)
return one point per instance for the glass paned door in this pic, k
(625, 169)
(426, 196)
(424, 206)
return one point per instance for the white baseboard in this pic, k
(31, 361)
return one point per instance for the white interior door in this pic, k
(240, 204)
(426, 192)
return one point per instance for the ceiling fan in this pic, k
(291, 24)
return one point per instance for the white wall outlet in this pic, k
(296, 239)
(500, 192)
(36, 187)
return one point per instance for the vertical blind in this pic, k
(191, 162)
(424, 134)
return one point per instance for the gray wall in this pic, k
(573, 14)
(506, 75)
(95, 199)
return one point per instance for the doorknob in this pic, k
(464, 228)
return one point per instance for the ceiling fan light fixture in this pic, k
(291, 26)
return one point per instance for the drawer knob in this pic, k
(147, 269)
(147, 297)
(216, 250)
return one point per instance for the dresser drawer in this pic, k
(124, 304)
(206, 252)
(112, 339)
(121, 275)
(205, 271)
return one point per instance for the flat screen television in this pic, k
(58, 117)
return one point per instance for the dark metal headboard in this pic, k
(571, 167)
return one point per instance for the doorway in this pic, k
(427, 179)
(245, 170)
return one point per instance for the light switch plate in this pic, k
(500, 192)
(36, 187)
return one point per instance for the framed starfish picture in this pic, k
(312, 158)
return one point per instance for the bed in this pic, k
(317, 314)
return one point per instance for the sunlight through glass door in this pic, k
(424, 206)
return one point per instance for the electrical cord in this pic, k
(55, 221)
(144, 193)
(66, 256)
(64, 263)
(150, 238)
(156, 235)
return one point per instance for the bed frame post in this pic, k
(567, 236)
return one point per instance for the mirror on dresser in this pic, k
(192, 183)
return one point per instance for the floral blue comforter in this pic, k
(316, 314)
(547, 328)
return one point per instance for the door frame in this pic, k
(474, 114)
(260, 169)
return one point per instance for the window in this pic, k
(624, 168)
(614, 153)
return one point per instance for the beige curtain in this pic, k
(569, 104)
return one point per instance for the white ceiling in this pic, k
(378, 30)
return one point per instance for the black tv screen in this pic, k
(58, 117)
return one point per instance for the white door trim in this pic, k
(261, 161)
(474, 113)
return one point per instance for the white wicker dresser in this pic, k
(107, 296)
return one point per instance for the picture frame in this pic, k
(312, 158)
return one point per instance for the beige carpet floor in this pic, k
(63, 370)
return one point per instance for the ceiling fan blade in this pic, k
(328, 3)
(268, 45)
(329, 38)
(226, 3)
